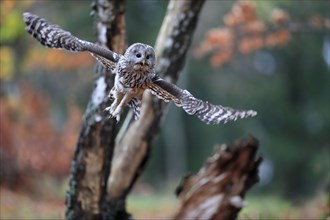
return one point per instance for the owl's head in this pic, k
(141, 56)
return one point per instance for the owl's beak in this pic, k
(142, 62)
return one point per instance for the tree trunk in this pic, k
(217, 191)
(92, 158)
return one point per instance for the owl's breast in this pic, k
(134, 79)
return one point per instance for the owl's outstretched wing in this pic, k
(205, 111)
(53, 36)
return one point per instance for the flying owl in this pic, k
(134, 73)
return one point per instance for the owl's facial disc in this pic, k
(142, 56)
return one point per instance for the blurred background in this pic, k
(270, 56)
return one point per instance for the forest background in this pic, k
(285, 77)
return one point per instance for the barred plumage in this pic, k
(213, 114)
(134, 73)
(51, 35)
(135, 105)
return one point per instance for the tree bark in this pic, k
(217, 191)
(91, 164)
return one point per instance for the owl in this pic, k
(134, 73)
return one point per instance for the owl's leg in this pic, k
(118, 96)
(120, 107)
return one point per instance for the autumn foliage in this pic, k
(30, 142)
(244, 32)
(56, 60)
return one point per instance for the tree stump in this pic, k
(217, 191)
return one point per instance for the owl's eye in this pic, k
(138, 55)
(147, 57)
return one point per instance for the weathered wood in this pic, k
(217, 191)
(92, 158)
(132, 149)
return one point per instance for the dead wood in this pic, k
(217, 191)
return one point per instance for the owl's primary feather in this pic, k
(134, 73)
(53, 36)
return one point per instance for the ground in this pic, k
(23, 205)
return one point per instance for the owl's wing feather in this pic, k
(53, 36)
(165, 90)
(213, 114)
(205, 111)
(106, 63)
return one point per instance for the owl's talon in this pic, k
(117, 113)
